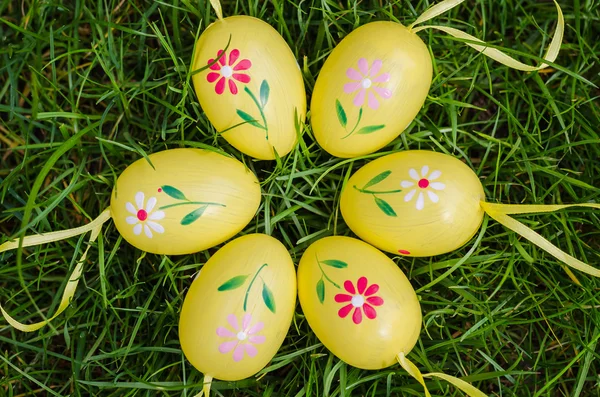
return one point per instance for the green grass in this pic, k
(117, 73)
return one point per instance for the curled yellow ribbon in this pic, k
(95, 226)
(413, 371)
(501, 212)
(482, 47)
(216, 5)
(206, 383)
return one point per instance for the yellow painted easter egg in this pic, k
(416, 202)
(358, 302)
(186, 201)
(252, 89)
(370, 89)
(238, 310)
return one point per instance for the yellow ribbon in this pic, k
(501, 212)
(482, 47)
(95, 226)
(205, 386)
(413, 371)
(216, 5)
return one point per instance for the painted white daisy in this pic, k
(424, 185)
(144, 217)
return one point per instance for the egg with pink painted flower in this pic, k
(358, 302)
(250, 86)
(370, 89)
(239, 308)
(376, 80)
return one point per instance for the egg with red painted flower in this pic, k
(358, 302)
(250, 86)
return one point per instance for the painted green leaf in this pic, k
(173, 192)
(264, 93)
(233, 283)
(193, 216)
(385, 207)
(268, 298)
(341, 113)
(370, 129)
(246, 117)
(297, 121)
(377, 179)
(321, 290)
(335, 263)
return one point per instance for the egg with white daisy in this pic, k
(182, 201)
(416, 203)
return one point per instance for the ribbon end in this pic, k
(501, 214)
(207, 383)
(71, 286)
(460, 384)
(480, 46)
(20, 326)
(216, 5)
(412, 370)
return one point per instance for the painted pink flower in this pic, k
(241, 339)
(226, 71)
(361, 299)
(365, 81)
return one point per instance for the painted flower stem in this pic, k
(238, 125)
(191, 202)
(367, 191)
(260, 109)
(250, 286)
(323, 274)
(383, 205)
(360, 112)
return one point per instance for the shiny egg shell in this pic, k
(239, 308)
(370, 89)
(253, 91)
(416, 202)
(186, 201)
(358, 302)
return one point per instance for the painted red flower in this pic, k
(361, 299)
(226, 71)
